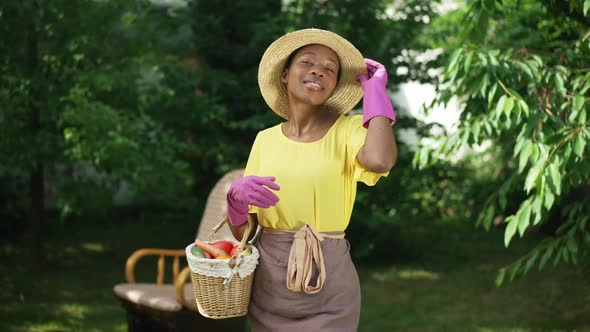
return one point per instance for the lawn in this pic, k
(449, 286)
(444, 281)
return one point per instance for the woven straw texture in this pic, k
(217, 302)
(348, 91)
(225, 296)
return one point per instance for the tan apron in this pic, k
(305, 281)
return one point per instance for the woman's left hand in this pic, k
(377, 75)
(375, 100)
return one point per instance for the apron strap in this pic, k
(306, 251)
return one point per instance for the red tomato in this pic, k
(223, 245)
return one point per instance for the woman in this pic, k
(300, 180)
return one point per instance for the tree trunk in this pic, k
(36, 176)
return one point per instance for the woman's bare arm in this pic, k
(379, 153)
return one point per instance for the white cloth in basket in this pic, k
(220, 267)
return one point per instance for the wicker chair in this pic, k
(172, 307)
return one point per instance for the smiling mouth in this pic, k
(312, 85)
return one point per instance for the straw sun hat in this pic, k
(348, 91)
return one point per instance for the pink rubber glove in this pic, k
(375, 100)
(249, 190)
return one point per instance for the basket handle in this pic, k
(234, 261)
(247, 232)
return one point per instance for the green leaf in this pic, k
(546, 257)
(549, 199)
(515, 94)
(572, 246)
(524, 218)
(488, 128)
(423, 159)
(464, 138)
(577, 82)
(523, 106)
(416, 159)
(452, 67)
(555, 176)
(508, 105)
(493, 60)
(524, 155)
(488, 4)
(554, 138)
(530, 262)
(578, 103)
(502, 200)
(500, 277)
(565, 255)
(558, 255)
(573, 115)
(579, 145)
(559, 84)
(582, 117)
(500, 106)
(492, 94)
(561, 69)
(510, 230)
(468, 61)
(567, 152)
(586, 7)
(485, 81)
(520, 141)
(532, 176)
(538, 60)
(476, 130)
(543, 152)
(483, 59)
(487, 218)
(525, 69)
(582, 224)
(514, 270)
(536, 209)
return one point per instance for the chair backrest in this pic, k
(216, 207)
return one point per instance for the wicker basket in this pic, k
(225, 293)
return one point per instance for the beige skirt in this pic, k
(273, 307)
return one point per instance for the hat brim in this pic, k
(348, 91)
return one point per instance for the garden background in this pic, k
(117, 117)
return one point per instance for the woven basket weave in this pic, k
(219, 297)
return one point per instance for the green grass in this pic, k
(444, 281)
(449, 286)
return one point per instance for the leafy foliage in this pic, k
(158, 101)
(522, 79)
(84, 94)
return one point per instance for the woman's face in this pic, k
(312, 75)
